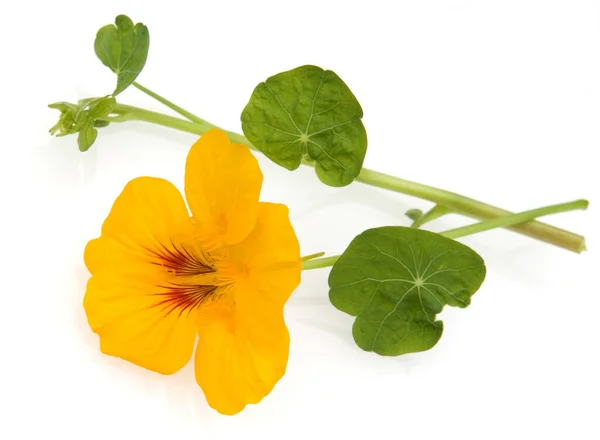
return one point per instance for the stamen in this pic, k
(184, 297)
(181, 261)
(186, 288)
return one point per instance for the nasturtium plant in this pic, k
(83, 118)
(123, 48)
(395, 280)
(308, 113)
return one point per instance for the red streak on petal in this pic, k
(180, 294)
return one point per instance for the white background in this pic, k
(498, 100)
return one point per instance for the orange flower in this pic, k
(159, 277)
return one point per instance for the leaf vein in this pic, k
(393, 258)
(283, 108)
(388, 315)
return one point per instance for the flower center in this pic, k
(190, 277)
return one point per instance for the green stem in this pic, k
(473, 208)
(319, 263)
(131, 113)
(452, 201)
(515, 219)
(502, 222)
(183, 112)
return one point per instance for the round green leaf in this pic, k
(123, 48)
(308, 113)
(395, 280)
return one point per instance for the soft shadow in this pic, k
(361, 195)
(308, 301)
(370, 360)
(60, 163)
(183, 396)
(155, 132)
(82, 328)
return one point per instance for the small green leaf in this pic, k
(63, 106)
(66, 122)
(123, 49)
(414, 214)
(100, 123)
(101, 107)
(82, 118)
(395, 280)
(308, 113)
(436, 212)
(87, 136)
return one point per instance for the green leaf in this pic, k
(82, 118)
(101, 107)
(87, 136)
(436, 212)
(395, 280)
(123, 49)
(308, 113)
(66, 122)
(414, 214)
(100, 124)
(63, 106)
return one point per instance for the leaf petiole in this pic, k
(515, 219)
(501, 222)
(319, 263)
(183, 112)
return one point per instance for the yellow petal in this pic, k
(222, 186)
(126, 300)
(233, 367)
(243, 347)
(269, 258)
